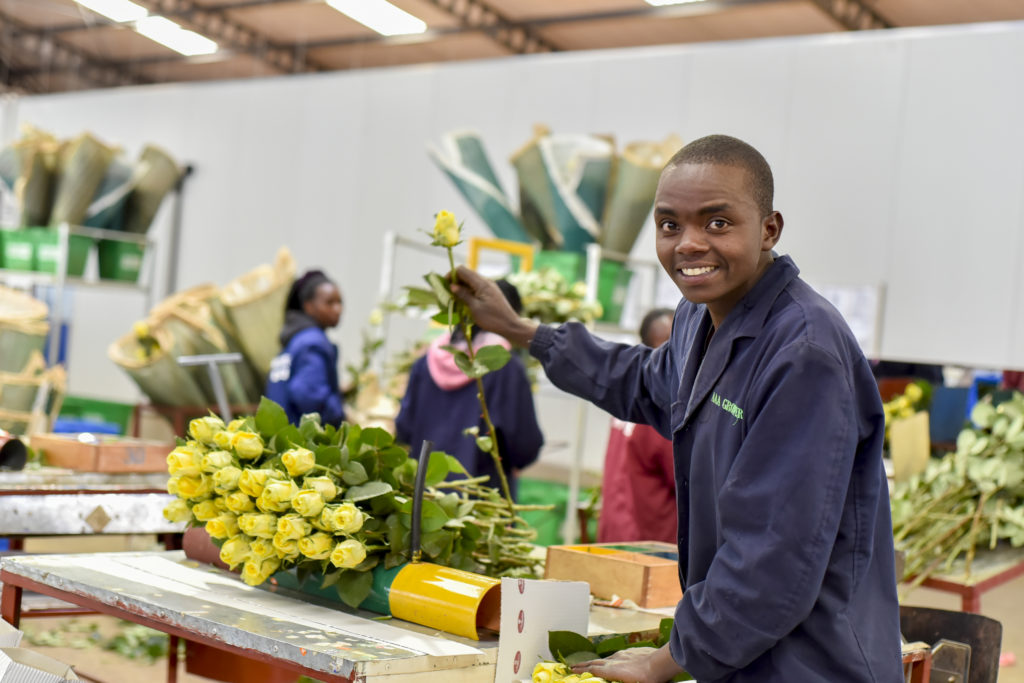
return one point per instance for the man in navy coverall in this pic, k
(785, 541)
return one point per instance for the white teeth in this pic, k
(697, 271)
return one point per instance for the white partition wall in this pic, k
(899, 159)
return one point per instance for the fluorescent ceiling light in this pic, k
(116, 10)
(662, 3)
(166, 32)
(381, 16)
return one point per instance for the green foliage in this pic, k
(571, 648)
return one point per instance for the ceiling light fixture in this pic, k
(115, 10)
(166, 32)
(662, 3)
(381, 16)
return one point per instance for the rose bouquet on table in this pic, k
(335, 502)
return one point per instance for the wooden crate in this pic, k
(103, 454)
(646, 573)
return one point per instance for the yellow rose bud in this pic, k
(261, 526)
(344, 519)
(292, 526)
(222, 526)
(247, 445)
(255, 572)
(376, 317)
(348, 554)
(222, 440)
(287, 548)
(177, 511)
(316, 546)
(262, 549)
(184, 461)
(324, 485)
(172, 485)
(238, 503)
(195, 488)
(214, 461)
(446, 230)
(298, 461)
(308, 503)
(205, 511)
(237, 425)
(202, 429)
(226, 479)
(277, 496)
(235, 551)
(220, 503)
(253, 481)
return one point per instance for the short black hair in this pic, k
(649, 319)
(726, 150)
(304, 289)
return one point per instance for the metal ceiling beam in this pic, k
(57, 56)
(476, 15)
(854, 15)
(216, 25)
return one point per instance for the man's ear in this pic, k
(771, 230)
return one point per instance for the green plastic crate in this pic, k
(47, 243)
(96, 410)
(17, 249)
(120, 260)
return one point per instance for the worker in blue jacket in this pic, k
(441, 402)
(304, 376)
(785, 540)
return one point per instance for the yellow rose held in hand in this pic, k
(277, 496)
(238, 502)
(177, 511)
(194, 488)
(308, 503)
(253, 481)
(316, 546)
(205, 511)
(226, 479)
(348, 554)
(298, 461)
(446, 230)
(259, 525)
(261, 549)
(287, 548)
(184, 461)
(202, 429)
(248, 445)
(235, 551)
(215, 460)
(345, 518)
(325, 485)
(222, 526)
(293, 526)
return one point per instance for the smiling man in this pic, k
(785, 542)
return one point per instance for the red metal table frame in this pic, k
(1006, 567)
(10, 610)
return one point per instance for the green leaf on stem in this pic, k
(309, 427)
(440, 288)
(456, 467)
(354, 587)
(376, 437)
(328, 456)
(665, 631)
(354, 474)
(421, 298)
(436, 542)
(331, 578)
(446, 318)
(493, 357)
(393, 456)
(370, 489)
(562, 644)
(270, 418)
(437, 468)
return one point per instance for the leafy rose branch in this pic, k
(475, 363)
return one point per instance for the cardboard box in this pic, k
(25, 666)
(646, 573)
(95, 453)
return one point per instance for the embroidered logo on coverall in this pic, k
(728, 406)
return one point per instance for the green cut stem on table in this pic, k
(467, 330)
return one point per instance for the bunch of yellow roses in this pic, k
(550, 672)
(267, 519)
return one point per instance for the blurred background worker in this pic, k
(440, 403)
(304, 376)
(638, 489)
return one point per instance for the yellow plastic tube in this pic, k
(447, 599)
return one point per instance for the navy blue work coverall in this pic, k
(785, 539)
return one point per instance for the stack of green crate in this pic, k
(17, 251)
(120, 260)
(47, 245)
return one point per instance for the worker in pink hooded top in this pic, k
(440, 403)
